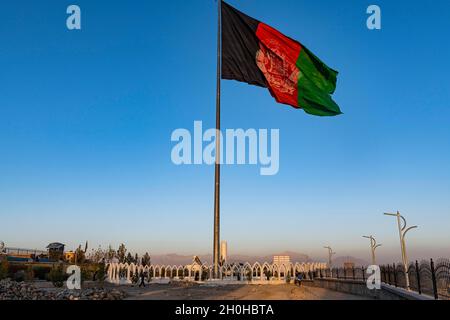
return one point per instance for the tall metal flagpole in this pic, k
(216, 245)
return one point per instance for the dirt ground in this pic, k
(233, 292)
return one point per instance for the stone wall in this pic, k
(359, 288)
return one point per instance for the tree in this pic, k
(101, 272)
(146, 261)
(97, 255)
(79, 256)
(111, 253)
(56, 276)
(121, 253)
(136, 258)
(129, 258)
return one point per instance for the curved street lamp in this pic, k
(403, 230)
(373, 247)
(330, 255)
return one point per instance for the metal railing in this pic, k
(426, 277)
(21, 251)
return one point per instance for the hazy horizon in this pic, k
(385, 254)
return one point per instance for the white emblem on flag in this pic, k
(280, 73)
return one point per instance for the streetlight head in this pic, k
(390, 214)
(410, 228)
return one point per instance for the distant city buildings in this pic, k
(279, 260)
(223, 252)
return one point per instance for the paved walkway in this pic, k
(234, 292)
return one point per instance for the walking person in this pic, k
(299, 279)
(142, 277)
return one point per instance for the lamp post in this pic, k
(330, 255)
(403, 230)
(373, 247)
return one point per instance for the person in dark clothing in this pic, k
(299, 279)
(142, 277)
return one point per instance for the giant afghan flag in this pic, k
(256, 53)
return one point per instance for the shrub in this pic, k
(86, 274)
(101, 272)
(13, 269)
(29, 274)
(4, 266)
(288, 278)
(41, 272)
(135, 278)
(204, 275)
(19, 276)
(57, 276)
(150, 275)
(20, 272)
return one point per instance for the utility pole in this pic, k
(373, 247)
(402, 230)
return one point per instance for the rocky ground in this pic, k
(11, 290)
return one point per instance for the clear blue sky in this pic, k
(86, 118)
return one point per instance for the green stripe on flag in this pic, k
(316, 83)
(318, 72)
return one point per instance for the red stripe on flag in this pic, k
(277, 60)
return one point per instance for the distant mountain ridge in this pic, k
(176, 259)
